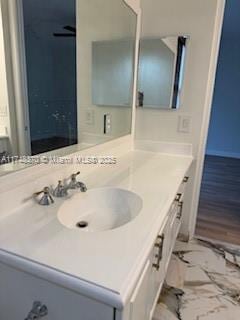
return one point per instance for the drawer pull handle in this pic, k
(159, 245)
(185, 180)
(178, 197)
(38, 311)
(179, 215)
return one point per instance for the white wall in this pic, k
(4, 114)
(196, 19)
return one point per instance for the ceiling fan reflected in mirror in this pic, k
(67, 35)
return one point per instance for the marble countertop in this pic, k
(104, 264)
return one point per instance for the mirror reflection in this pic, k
(77, 60)
(50, 47)
(106, 35)
(161, 72)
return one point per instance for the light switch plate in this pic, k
(184, 124)
(107, 123)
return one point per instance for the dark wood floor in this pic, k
(219, 208)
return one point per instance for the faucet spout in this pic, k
(74, 184)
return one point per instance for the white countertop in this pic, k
(112, 259)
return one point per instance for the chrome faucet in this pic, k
(46, 198)
(74, 184)
(60, 191)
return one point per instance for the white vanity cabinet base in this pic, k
(148, 288)
(18, 291)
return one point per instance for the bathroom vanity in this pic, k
(101, 252)
(108, 273)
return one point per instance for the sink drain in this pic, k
(82, 224)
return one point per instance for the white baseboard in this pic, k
(223, 154)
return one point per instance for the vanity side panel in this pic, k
(18, 291)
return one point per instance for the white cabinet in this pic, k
(139, 300)
(18, 291)
(148, 289)
(161, 254)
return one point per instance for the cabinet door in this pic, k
(170, 237)
(156, 272)
(18, 291)
(139, 301)
(160, 257)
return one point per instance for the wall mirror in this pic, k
(161, 72)
(77, 67)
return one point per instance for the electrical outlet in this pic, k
(184, 124)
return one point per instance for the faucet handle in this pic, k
(45, 190)
(38, 311)
(74, 175)
(46, 198)
(60, 191)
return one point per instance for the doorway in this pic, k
(219, 206)
(50, 49)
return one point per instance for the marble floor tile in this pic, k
(195, 308)
(188, 246)
(163, 313)
(171, 298)
(209, 261)
(203, 291)
(230, 257)
(196, 276)
(229, 284)
(176, 273)
(211, 289)
(238, 261)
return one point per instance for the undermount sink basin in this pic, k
(100, 209)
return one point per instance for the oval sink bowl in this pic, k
(100, 209)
